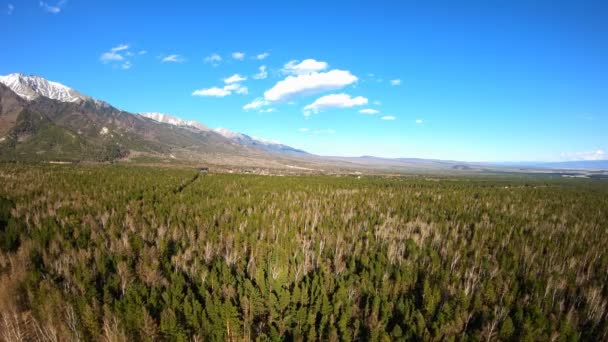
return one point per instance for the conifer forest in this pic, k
(133, 253)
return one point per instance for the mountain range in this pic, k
(42, 120)
(240, 138)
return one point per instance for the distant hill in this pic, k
(581, 164)
(564, 165)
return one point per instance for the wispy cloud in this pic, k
(213, 59)
(114, 54)
(304, 67)
(369, 111)
(262, 56)
(232, 85)
(54, 9)
(234, 79)
(334, 101)
(120, 47)
(110, 56)
(396, 82)
(237, 88)
(174, 58)
(267, 110)
(142, 52)
(419, 121)
(303, 129)
(213, 92)
(598, 154)
(256, 104)
(262, 74)
(10, 9)
(388, 118)
(120, 57)
(238, 55)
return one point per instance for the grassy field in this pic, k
(138, 253)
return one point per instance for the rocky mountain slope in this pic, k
(239, 138)
(44, 120)
(32, 87)
(270, 146)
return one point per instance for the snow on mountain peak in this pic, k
(226, 133)
(172, 120)
(31, 87)
(246, 139)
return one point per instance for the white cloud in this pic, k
(307, 66)
(303, 129)
(262, 56)
(213, 59)
(142, 52)
(113, 54)
(238, 55)
(231, 87)
(120, 47)
(388, 117)
(10, 9)
(262, 74)
(598, 154)
(213, 92)
(378, 103)
(267, 110)
(119, 56)
(110, 56)
(369, 111)
(396, 82)
(334, 101)
(237, 88)
(419, 121)
(256, 104)
(309, 84)
(234, 79)
(173, 59)
(54, 9)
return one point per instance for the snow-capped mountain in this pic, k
(226, 133)
(97, 123)
(172, 120)
(31, 87)
(244, 139)
(239, 138)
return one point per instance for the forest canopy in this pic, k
(138, 253)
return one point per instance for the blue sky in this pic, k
(477, 80)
